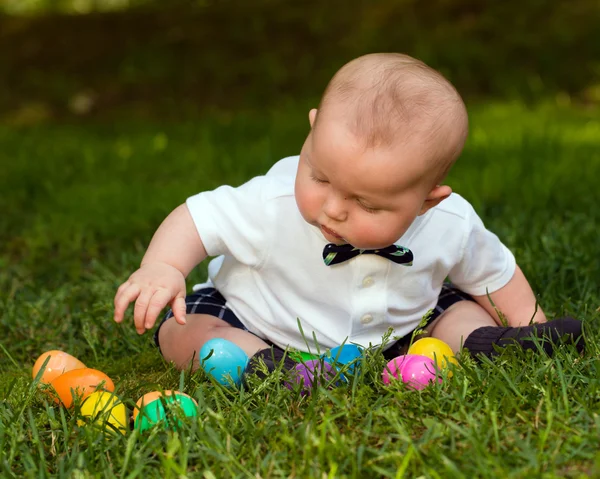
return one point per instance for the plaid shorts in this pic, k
(210, 301)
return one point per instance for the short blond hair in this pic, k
(386, 97)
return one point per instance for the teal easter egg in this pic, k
(345, 354)
(223, 360)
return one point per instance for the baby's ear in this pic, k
(438, 194)
(312, 114)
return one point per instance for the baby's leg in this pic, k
(467, 324)
(180, 343)
(457, 322)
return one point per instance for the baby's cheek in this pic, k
(308, 203)
(374, 233)
(365, 234)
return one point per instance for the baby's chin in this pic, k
(360, 245)
(357, 245)
(369, 247)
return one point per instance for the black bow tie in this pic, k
(335, 254)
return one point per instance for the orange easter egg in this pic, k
(80, 383)
(59, 363)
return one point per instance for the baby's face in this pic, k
(366, 197)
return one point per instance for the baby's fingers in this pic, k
(141, 309)
(158, 301)
(179, 309)
(126, 294)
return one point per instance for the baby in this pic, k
(355, 236)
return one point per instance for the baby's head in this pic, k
(386, 133)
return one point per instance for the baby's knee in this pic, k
(462, 313)
(181, 343)
(456, 323)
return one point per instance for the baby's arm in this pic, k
(175, 249)
(515, 300)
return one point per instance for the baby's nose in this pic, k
(335, 208)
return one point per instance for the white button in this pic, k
(368, 281)
(366, 319)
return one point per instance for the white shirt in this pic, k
(270, 267)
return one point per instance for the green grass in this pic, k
(79, 204)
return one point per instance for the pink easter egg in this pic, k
(418, 371)
(392, 369)
(414, 370)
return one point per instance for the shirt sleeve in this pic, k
(486, 265)
(234, 221)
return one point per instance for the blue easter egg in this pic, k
(344, 354)
(227, 360)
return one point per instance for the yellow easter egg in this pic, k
(435, 349)
(105, 410)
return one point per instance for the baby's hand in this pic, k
(152, 287)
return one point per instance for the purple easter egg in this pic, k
(305, 374)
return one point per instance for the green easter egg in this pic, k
(155, 412)
(302, 357)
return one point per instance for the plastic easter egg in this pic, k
(302, 357)
(315, 370)
(345, 354)
(308, 356)
(227, 360)
(391, 370)
(147, 399)
(79, 383)
(104, 410)
(415, 371)
(435, 349)
(59, 363)
(418, 371)
(163, 407)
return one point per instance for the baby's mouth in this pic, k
(331, 232)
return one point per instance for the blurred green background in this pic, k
(65, 59)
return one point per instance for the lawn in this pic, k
(79, 204)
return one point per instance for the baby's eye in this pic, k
(317, 180)
(367, 208)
